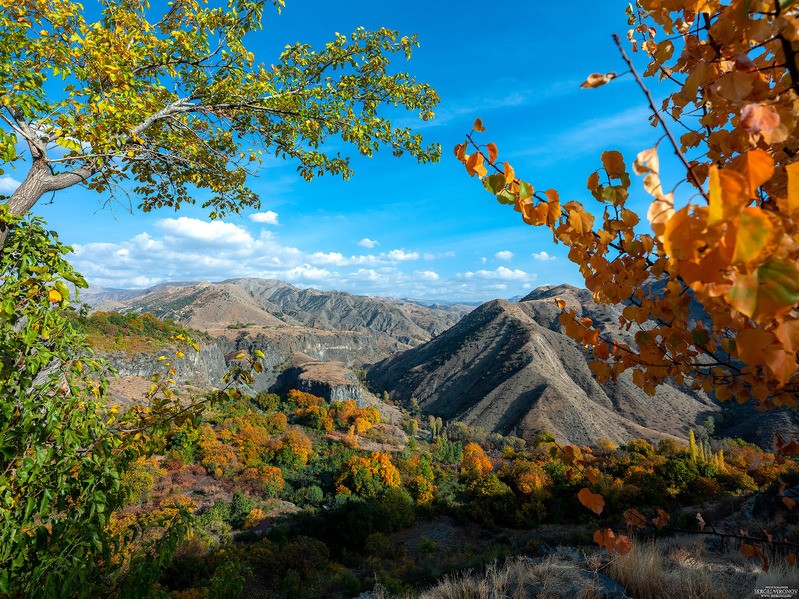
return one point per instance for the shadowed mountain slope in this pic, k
(508, 368)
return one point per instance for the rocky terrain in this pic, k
(277, 318)
(505, 366)
(508, 368)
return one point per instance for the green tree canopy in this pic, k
(149, 107)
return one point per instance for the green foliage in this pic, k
(61, 455)
(240, 507)
(131, 333)
(176, 102)
(268, 402)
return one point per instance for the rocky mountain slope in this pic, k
(508, 368)
(368, 327)
(277, 318)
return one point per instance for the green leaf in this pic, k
(769, 292)
(494, 183)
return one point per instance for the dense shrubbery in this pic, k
(132, 333)
(304, 450)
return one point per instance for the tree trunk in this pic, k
(38, 182)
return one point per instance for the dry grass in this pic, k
(681, 568)
(519, 578)
(674, 568)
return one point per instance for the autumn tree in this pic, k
(722, 231)
(148, 109)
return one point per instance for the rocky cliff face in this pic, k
(204, 368)
(508, 368)
(334, 382)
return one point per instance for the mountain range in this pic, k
(504, 366)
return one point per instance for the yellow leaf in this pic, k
(54, 296)
(729, 193)
(769, 292)
(595, 80)
(754, 236)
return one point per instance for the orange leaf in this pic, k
(560, 303)
(580, 220)
(749, 550)
(634, 518)
(509, 172)
(750, 345)
(492, 152)
(478, 125)
(789, 503)
(733, 86)
(757, 167)
(599, 538)
(788, 335)
(593, 181)
(756, 118)
(473, 163)
(781, 363)
(553, 209)
(792, 170)
(593, 501)
(610, 540)
(623, 545)
(613, 161)
(460, 152)
(683, 234)
(661, 519)
(595, 80)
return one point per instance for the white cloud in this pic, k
(267, 218)
(368, 243)
(213, 232)
(542, 256)
(501, 273)
(429, 275)
(401, 255)
(504, 255)
(8, 185)
(187, 249)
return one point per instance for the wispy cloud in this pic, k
(542, 256)
(368, 243)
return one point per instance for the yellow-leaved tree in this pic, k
(731, 244)
(729, 239)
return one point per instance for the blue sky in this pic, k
(398, 228)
